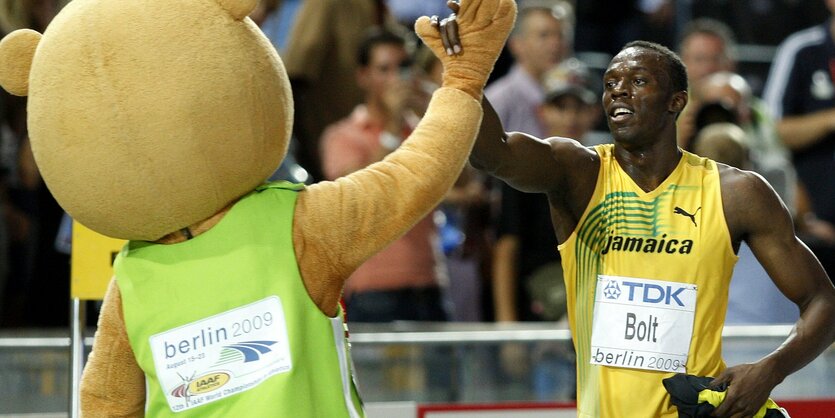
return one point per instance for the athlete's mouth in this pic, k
(620, 113)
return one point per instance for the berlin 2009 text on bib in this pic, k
(219, 356)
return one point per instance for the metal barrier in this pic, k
(422, 333)
(383, 349)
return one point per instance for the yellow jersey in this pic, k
(647, 275)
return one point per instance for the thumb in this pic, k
(722, 379)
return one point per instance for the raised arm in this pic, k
(525, 162)
(339, 224)
(755, 214)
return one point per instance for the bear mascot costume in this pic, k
(158, 121)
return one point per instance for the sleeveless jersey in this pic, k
(647, 276)
(222, 324)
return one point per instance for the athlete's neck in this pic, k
(648, 166)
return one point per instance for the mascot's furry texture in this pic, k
(157, 121)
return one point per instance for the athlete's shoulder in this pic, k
(747, 198)
(736, 180)
(695, 160)
(579, 159)
(571, 146)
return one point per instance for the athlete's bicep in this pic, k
(524, 162)
(529, 164)
(542, 165)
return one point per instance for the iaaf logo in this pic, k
(198, 386)
(246, 352)
(644, 292)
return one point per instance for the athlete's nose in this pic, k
(618, 89)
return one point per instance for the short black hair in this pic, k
(677, 70)
(374, 37)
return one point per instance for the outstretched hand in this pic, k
(748, 388)
(469, 41)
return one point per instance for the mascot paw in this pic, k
(483, 28)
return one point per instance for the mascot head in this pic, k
(147, 116)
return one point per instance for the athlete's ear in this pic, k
(678, 102)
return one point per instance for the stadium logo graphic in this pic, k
(248, 351)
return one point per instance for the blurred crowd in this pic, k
(762, 98)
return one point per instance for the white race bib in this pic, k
(224, 354)
(642, 324)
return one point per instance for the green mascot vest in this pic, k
(222, 325)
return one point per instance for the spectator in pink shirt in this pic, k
(401, 282)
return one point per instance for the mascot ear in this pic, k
(239, 9)
(16, 52)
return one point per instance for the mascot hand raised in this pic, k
(485, 28)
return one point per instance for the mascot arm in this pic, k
(339, 224)
(112, 384)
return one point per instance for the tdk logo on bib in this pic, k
(645, 292)
(653, 293)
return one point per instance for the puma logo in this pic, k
(680, 211)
